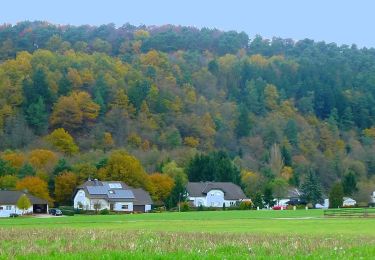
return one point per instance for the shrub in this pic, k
(67, 212)
(104, 212)
(184, 206)
(245, 205)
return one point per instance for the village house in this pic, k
(9, 199)
(111, 195)
(214, 194)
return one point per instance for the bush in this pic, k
(184, 206)
(245, 205)
(67, 212)
(104, 212)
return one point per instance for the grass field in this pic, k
(191, 235)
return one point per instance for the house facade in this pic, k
(111, 195)
(348, 202)
(214, 194)
(9, 199)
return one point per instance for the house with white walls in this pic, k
(111, 195)
(214, 194)
(9, 199)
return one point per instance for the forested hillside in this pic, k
(156, 106)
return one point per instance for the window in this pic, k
(115, 185)
(110, 191)
(1, 208)
(124, 206)
(8, 208)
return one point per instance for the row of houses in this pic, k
(118, 196)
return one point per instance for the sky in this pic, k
(340, 21)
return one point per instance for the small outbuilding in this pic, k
(9, 199)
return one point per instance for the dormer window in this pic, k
(111, 192)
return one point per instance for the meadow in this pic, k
(190, 235)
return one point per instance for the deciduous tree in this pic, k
(63, 141)
(34, 186)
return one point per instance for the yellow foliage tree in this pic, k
(162, 186)
(287, 172)
(74, 78)
(63, 141)
(271, 97)
(122, 166)
(191, 141)
(259, 60)
(108, 141)
(369, 132)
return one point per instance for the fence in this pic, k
(350, 212)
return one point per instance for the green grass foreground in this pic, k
(191, 235)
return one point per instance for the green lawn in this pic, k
(190, 235)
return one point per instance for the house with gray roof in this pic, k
(111, 195)
(9, 199)
(214, 194)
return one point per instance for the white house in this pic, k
(348, 202)
(292, 197)
(373, 197)
(214, 194)
(9, 199)
(112, 195)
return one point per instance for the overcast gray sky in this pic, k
(343, 22)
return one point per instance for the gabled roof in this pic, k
(10, 197)
(294, 193)
(142, 197)
(200, 189)
(115, 191)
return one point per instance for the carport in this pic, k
(40, 208)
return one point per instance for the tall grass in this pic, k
(97, 243)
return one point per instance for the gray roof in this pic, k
(142, 197)
(115, 191)
(200, 189)
(294, 193)
(10, 197)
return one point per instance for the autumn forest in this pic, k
(158, 106)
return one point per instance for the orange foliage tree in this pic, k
(65, 184)
(74, 111)
(42, 159)
(35, 186)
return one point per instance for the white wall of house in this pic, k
(81, 201)
(147, 208)
(349, 202)
(6, 210)
(198, 201)
(123, 206)
(230, 203)
(373, 197)
(103, 204)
